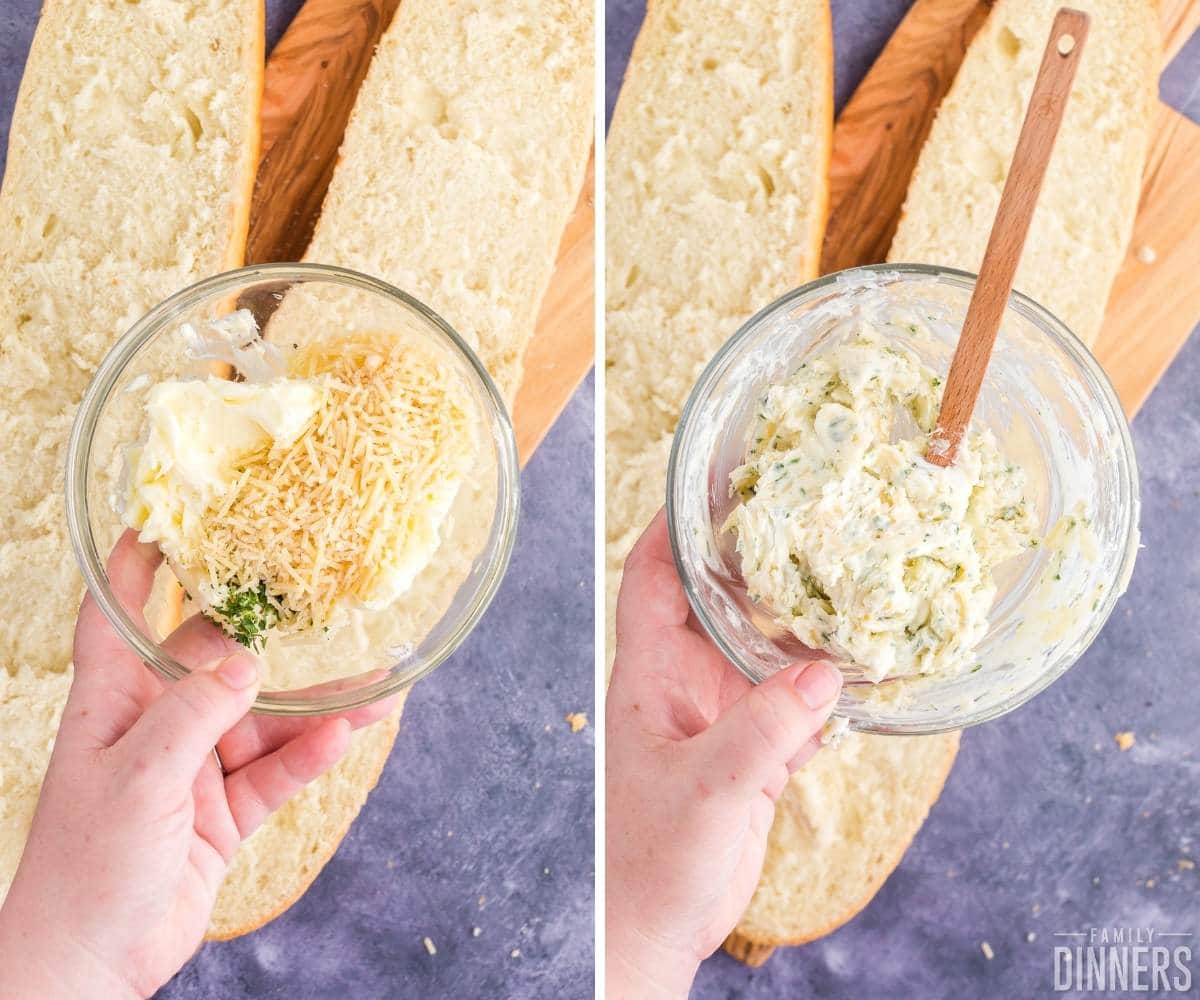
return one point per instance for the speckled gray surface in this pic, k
(483, 816)
(1042, 811)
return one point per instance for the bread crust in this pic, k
(255, 69)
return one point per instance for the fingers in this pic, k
(110, 684)
(131, 568)
(258, 789)
(651, 595)
(198, 641)
(213, 824)
(175, 735)
(770, 731)
(258, 735)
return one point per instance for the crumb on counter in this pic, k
(476, 931)
(515, 953)
(1031, 936)
(1124, 740)
(429, 945)
(987, 950)
(576, 720)
(1185, 864)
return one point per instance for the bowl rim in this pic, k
(101, 388)
(1047, 323)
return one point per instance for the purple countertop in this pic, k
(483, 817)
(1042, 811)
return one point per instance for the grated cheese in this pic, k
(352, 507)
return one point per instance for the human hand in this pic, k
(136, 824)
(695, 757)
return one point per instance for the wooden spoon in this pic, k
(1017, 202)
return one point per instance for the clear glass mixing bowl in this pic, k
(382, 652)
(1052, 410)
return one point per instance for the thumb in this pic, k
(174, 736)
(771, 730)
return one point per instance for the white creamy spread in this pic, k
(197, 431)
(851, 539)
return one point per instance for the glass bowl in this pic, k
(380, 652)
(1052, 410)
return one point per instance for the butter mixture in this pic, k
(285, 503)
(853, 541)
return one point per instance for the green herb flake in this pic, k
(248, 613)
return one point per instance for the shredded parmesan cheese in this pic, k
(351, 508)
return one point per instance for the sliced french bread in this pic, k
(718, 186)
(461, 164)
(131, 158)
(1085, 213)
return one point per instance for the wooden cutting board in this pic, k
(1153, 306)
(311, 81)
(878, 136)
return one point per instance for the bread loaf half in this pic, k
(718, 187)
(462, 162)
(131, 158)
(1085, 213)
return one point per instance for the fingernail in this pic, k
(818, 684)
(238, 671)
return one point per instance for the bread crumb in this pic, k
(545, 871)
(987, 950)
(1124, 740)
(1030, 936)
(476, 931)
(429, 945)
(1151, 883)
(1095, 880)
(577, 721)
(482, 902)
(1186, 864)
(1037, 908)
(1146, 254)
(515, 953)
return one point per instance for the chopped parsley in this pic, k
(248, 613)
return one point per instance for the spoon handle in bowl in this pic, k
(1043, 117)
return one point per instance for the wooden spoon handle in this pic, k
(1017, 202)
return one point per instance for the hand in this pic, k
(136, 824)
(696, 757)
